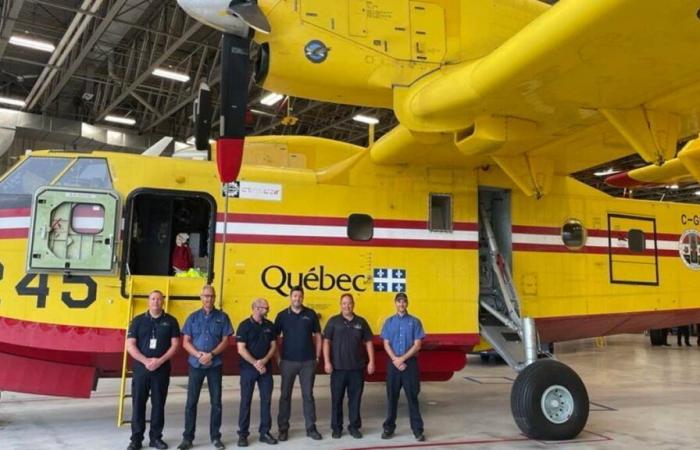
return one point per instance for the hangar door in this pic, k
(632, 249)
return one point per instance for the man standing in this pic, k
(347, 350)
(256, 346)
(206, 334)
(301, 350)
(152, 339)
(402, 334)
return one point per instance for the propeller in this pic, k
(249, 12)
(235, 79)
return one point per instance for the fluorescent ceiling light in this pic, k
(673, 186)
(262, 113)
(169, 74)
(271, 98)
(32, 43)
(12, 101)
(366, 119)
(605, 173)
(122, 120)
(697, 192)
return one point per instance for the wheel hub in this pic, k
(557, 404)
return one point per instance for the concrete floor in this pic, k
(641, 397)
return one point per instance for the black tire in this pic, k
(526, 401)
(656, 336)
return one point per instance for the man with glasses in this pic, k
(402, 334)
(256, 345)
(206, 334)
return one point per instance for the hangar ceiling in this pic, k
(107, 49)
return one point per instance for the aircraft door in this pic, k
(169, 240)
(632, 249)
(73, 230)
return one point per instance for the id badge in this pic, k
(152, 344)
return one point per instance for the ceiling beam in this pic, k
(147, 73)
(86, 49)
(13, 14)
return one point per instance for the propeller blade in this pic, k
(235, 59)
(250, 13)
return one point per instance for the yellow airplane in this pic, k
(499, 101)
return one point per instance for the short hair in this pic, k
(401, 296)
(257, 301)
(297, 288)
(347, 294)
(208, 286)
(156, 291)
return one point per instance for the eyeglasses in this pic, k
(262, 307)
(208, 295)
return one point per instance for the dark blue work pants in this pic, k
(194, 388)
(249, 377)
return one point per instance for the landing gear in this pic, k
(658, 336)
(549, 401)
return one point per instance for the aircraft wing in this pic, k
(584, 83)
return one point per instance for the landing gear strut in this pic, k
(548, 399)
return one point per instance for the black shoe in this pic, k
(283, 435)
(268, 439)
(242, 441)
(420, 437)
(314, 434)
(218, 444)
(336, 434)
(357, 434)
(666, 344)
(184, 445)
(387, 434)
(134, 446)
(158, 443)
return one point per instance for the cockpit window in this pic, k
(87, 173)
(17, 189)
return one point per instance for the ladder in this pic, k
(514, 337)
(125, 356)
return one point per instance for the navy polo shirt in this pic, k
(257, 338)
(347, 338)
(402, 332)
(144, 327)
(206, 332)
(297, 330)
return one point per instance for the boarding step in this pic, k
(506, 342)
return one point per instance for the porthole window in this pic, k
(573, 234)
(88, 218)
(360, 227)
(636, 241)
(440, 212)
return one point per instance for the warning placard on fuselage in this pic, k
(253, 191)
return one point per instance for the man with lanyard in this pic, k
(206, 334)
(402, 334)
(256, 346)
(152, 340)
(301, 351)
(347, 346)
